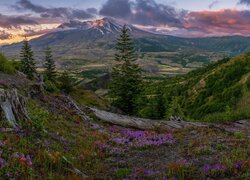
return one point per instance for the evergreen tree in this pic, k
(126, 75)
(153, 107)
(66, 82)
(27, 60)
(175, 109)
(50, 66)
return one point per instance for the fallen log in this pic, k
(147, 124)
(140, 123)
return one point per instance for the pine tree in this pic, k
(66, 82)
(50, 66)
(27, 60)
(175, 109)
(126, 75)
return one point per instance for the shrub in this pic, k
(66, 82)
(6, 66)
(51, 87)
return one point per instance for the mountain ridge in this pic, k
(81, 44)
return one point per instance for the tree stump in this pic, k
(12, 107)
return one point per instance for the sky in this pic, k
(186, 18)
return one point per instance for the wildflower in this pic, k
(29, 161)
(206, 168)
(16, 155)
(2, 162)
(22, 160)
(2, 143)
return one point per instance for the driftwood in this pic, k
(145, 124)
(12, 107)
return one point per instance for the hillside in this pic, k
(217, 92)
(90, 45)
(64, 141)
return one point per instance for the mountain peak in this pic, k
(105, 25)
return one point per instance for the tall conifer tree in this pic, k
(126, 75)
(28, 65)
(50, 66)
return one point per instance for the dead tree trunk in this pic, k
(140, 123)
(12, 107)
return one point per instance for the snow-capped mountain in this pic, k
(103, 26)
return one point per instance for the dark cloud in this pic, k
(148, 12)
(214, 3)
(143, 12)
(92, 11)
(245, 2)
(59, 12)
(116, 8)
(15, 21)
(4, 35)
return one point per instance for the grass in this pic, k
(56, 145)
(89, 98)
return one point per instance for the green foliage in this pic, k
(239, 135)
(66, 82)
(126, 75)
(51, 86)
(174, 109)
(211, 93)
(27, 60)
(123, 172)
(153, 106)
(39, 115)
(88, 98)
(50, 66)
(6, 66)
(226, 116)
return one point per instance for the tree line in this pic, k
(28, 64)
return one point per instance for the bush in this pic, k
(6, 66)
(66, 82)
(51, 87)
(227, 116)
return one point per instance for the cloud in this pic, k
(247, 2)
(214, 3)
(92, 11)
(4, 35)
(143, 12)
(15, 21)
(60, 12)
(227, 22)
(116, 8)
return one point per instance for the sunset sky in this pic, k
(188, 18)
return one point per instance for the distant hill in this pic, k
(220, 91)
(86, 45)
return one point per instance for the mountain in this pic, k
(90, 45)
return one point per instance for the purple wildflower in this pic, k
(29, 161)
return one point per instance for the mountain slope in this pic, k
(220, 91)
(90, 44)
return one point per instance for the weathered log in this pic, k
(175, 123)
(12, 107)
(145, 124)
